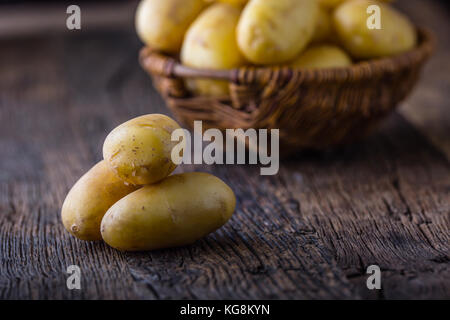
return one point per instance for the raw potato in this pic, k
(89, 199)
(210, 43)
(396, 35)
(323, 56)
(276, 31)
(330, 4)
(139, 150)
(161, 24)
(175, 212)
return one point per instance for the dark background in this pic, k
(308, 233)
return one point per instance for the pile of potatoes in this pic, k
(131, 201)
(226, 34)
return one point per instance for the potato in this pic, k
(324, 26)
(139, 150)
(211, 43)
(89, 199)
(276, 31)
(323, 56)
(175, 212)
(233, 2)
(329, 4)
(161, 24)
(396, 35)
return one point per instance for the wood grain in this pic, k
(428, 107)
(308, 233)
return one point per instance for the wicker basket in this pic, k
(312, 108)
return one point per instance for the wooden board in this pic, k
(309, 232)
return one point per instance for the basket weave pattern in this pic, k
(312, 108)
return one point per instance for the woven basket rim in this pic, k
(161, 64)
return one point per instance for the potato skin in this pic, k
(139, 150)
(175, 212)
(322, 56)
(276, 31)
(210, 43)
(330, 4)
(397, 34)
(89, 199)
(239, 3)
(161, 24)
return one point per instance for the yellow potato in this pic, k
(330, 4)
(210, 43)
(323, 56)
(161, 24)
(276, 31)
(324, 26)
(89, 199)
(397, 34)
(175, 212)
(139, 150)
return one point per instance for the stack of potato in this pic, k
(227, 34)
(131, 201)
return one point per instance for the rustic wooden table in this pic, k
(309, 232)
